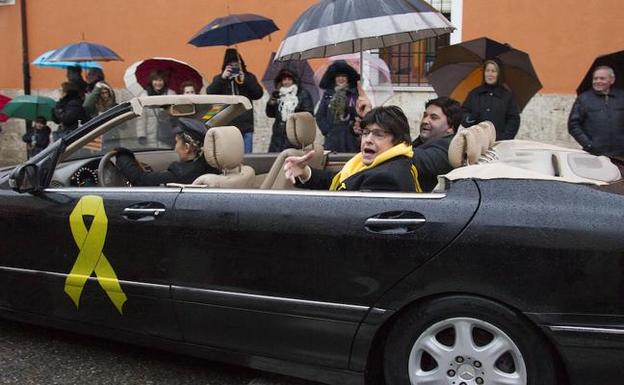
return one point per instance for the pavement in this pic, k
(36, 355)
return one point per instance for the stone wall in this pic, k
(544, 119)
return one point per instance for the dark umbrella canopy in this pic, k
(84, 51)
(301, 68)
(614, 60)
(335, 27)
(458, 69)
(233, 29)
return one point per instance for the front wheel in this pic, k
(465, 340)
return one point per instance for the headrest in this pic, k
(224, 148)
(301, 129)
(469, 144)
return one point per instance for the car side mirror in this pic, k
(179, 110)
(25, 179)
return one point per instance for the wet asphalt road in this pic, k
(36, 355)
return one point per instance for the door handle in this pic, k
(395, 222)
(155, 212)
(144, 211)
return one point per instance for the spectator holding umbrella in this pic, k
(287, 98)
(69, 112)
(38, 138)
(157, 84)
(337, 109)
(74, 75)
(234, 79)
(157, 128)
(494, 102)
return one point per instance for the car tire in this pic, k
(465, 340)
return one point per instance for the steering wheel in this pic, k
(108, 174)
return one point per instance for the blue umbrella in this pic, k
(233, 29)
(42, 61)
(84, 51)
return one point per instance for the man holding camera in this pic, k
(235, 80)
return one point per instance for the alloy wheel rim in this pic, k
(465, 351)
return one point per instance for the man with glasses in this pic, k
(440, 121)
(384, 162)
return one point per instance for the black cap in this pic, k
(193, 127)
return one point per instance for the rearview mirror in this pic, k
(181, 110)
(25, 179)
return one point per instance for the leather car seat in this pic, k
(471, 143)
(224, 150)
(301, 132)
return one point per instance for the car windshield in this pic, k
(151, 131)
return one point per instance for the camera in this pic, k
(234, 71)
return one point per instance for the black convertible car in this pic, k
(510, 272)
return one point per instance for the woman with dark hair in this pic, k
(494, 102)
(74, 75)
(337, 109)
(289, 97)
(157, 84)
(94, 76)
(157, 130)
(384, 162)
(68, 111)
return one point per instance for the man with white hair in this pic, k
(597, 117)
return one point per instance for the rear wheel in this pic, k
(463, 341)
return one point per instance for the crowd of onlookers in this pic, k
(380, 136)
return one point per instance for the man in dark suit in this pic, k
(440, 121)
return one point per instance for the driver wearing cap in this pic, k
(189, 140)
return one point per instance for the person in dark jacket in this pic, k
(494, 102)
(596, 120)
(336, 113)
(288, 97)
(74, 75)
(37, 138)
(189, 137)
(234, 79)
(383, 164)
(68, 111)
(439, 124)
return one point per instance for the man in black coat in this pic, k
(189, 137)
(440, 121)
(236, 80)
(383, 164)
(597, 117)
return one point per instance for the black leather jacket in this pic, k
(597, 122)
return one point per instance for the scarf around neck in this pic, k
(287, 101)
(355, 165)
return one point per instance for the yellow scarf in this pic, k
(355, 165)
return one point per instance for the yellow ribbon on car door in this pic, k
(91, 257)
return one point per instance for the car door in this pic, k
(94, 255)
(290, 274)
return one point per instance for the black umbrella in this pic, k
(335, 27)
(299, 67)
(233, 29)
(459, 68)
(614, 60)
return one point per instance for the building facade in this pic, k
(561, 37)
